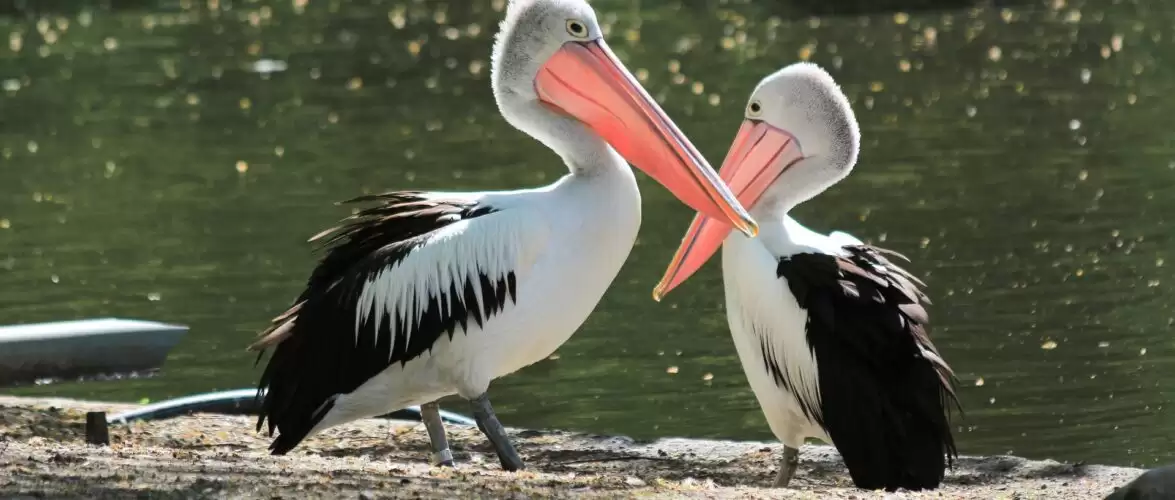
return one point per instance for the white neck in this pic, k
(585, 153)
(778, 231)
(782, 236)
(803, 181)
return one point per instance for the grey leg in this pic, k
(787, 467)
(489, 424)
(430, 413)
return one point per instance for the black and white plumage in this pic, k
(832, 335)
(351, 284)
(429, 294)
(416, 298)
(884, 389)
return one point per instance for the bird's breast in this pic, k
(590, 239)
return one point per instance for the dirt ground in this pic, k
(43, 454)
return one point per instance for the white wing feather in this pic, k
(495, 244)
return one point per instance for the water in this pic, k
(167, 160)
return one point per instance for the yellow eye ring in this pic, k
(754, 109)
(577, 28)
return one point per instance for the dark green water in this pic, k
(1022, 158)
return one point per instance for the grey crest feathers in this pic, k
(805, 100)
(531, 32)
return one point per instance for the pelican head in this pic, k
(798, 137)
(555, 78)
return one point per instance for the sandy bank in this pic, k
(42, 453)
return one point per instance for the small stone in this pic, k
(634, 481)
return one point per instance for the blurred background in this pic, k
(168, 159)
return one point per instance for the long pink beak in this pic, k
(759, 155)
(586, 81)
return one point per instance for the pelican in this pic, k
(831, 334)
(427, 294)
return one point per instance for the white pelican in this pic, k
(831, 334)
(429, 294)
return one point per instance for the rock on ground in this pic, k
(43, 454)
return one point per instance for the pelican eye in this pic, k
(754, 109)
(577, 29)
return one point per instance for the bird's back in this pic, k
(885, 390)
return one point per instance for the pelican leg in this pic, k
(430, 413)
(787, 467)
(489, 424)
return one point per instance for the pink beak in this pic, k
(759, 155)
(586, 81)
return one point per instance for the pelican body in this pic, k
(832, 335)
(427, 294)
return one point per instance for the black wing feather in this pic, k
(885, 391)
(316, 356)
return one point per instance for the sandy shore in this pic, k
(42, 454)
